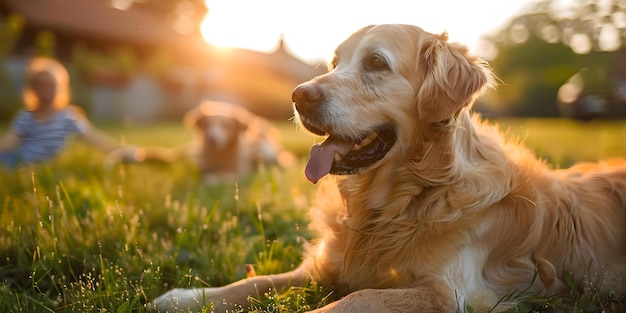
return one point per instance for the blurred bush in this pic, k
(10, 29)
(548, 43)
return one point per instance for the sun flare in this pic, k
(236, 23)
(313, 28)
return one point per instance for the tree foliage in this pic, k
(548, 43)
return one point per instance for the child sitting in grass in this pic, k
(39, 132)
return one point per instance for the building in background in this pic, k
(145, 60)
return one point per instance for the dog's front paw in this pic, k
(179, 300)
(196, 300)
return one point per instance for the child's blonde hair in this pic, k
(58, 71)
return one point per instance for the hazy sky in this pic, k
(313, 28)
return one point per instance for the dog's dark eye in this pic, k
(375, 62)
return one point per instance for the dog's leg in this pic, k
(423, 299)
(228, 297)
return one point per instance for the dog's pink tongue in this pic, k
(322, 156)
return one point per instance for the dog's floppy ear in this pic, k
(452, 78)
(242, 126)
(194, 119)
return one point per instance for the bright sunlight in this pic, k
(313, 28)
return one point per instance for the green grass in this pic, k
(77, 237)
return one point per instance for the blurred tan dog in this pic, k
(433, 210)
(231, 142)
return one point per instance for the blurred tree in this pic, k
(11, 27)
(46, 42)
(548, 43)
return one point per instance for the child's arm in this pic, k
(94, 136)
(116, 152)
(99, 139)
(90, 133)
(10, 141)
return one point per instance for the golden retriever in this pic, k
(430, 209)
(230, 143)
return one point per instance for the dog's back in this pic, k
(572, 223)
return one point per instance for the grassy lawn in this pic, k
(78, 237)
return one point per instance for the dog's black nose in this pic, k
(306, 97)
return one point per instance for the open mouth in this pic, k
(340, 156)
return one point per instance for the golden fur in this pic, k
(454, 214)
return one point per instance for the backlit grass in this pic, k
(78, 237)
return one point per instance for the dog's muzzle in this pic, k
(338, 155)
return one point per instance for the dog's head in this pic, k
(383, 83)
(217, 125)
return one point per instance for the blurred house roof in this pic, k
(256, 78)
(263, 82)
(148, 24)
(281, 62)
